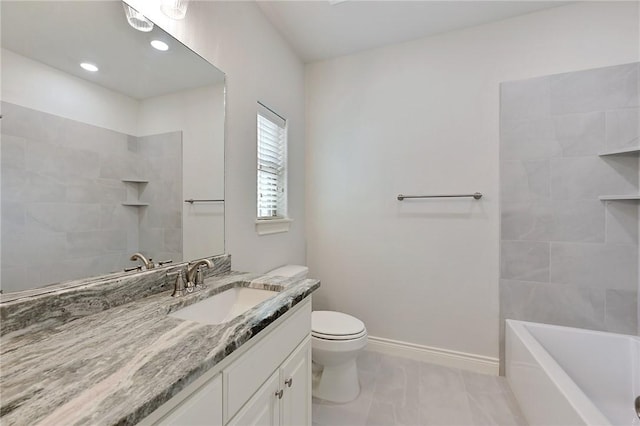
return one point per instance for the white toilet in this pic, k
(336, 341)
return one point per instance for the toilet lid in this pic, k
(330, 323)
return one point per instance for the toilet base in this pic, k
(338, 383)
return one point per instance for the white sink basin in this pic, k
(225, 306)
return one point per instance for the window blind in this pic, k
(272, 165)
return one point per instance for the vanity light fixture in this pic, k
(136, 19)
(159, 45)
(89, 67)
(174, 9)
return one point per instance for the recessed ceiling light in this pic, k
(89, 67)
(160, 45)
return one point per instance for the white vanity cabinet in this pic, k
(267, 382)
(285, 399)
(203, 407)
(295, 376)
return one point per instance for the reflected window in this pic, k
(272, 164)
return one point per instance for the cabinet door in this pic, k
(263, 409)
(295, 376)
(204, 407)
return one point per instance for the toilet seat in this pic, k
(339, 336)
(331, 325)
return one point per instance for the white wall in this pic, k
(259, 66)
(56, 92)
(422, 118)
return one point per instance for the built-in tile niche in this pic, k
(78, 200)
(569, 199)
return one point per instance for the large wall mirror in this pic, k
(96, 165)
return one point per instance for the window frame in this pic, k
(280, 221)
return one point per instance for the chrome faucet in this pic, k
(147, 264)
(194, 272)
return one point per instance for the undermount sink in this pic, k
(225, 306)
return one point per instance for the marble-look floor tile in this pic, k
(403, 392)
(369, 361)
(446, 408)
(486, 409)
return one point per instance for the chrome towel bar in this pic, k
(475, 195)
(191, 201)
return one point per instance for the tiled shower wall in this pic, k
(566, 257)
(160, 224)
(62, 195)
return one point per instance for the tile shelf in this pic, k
(619, 197)
(625, 151)
(135, 187)
(627, 197)
(135, 180)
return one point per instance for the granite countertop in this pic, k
(119, 365)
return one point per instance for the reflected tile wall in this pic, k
(566, 257)
(160, 225)
(62, 195)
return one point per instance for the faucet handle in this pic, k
(199, 277)
(179, 288)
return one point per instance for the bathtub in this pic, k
(570, 376)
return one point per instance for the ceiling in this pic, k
(62, 34)
(323, 29)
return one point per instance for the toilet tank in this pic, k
(293, 271)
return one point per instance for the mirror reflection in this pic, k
(106, 130)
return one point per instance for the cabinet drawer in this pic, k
(249, 372)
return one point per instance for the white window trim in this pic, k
(273, 226)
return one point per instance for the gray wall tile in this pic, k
(550, 181)
(524, 180)
(578, 220)
(580, 134)
(15, 248)
(595, 90)
(62, 217)
(621, 311)
(61, 162)
(622, 222)
(572, 306)
(623, 128)
(595, 265)
(529, 140)
(527, 220)
(524, 260)
(589, 177)
(62, 192)
(13, 152)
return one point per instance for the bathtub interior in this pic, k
(605, 366)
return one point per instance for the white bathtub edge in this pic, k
(585, 411)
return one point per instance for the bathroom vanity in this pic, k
(267, 383)
(89, 355)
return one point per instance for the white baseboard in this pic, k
(445, 357)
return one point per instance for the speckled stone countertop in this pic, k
(118, 365)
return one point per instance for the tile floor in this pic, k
(399, 391)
